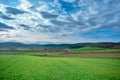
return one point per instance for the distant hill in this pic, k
(59, 46)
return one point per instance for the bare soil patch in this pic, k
(89, 55)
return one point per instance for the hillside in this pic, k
(59, 46)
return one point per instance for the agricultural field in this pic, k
(39, 53)
(26, 67)
(95, 49)
(86, 63)
(59, 40)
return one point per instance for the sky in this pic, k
(59, 21)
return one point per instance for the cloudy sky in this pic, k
(59, 21)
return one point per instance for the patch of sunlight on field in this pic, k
(95, 49)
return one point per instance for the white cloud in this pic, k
(89, 16)
(43, 6)
(25, 5)
(69, 1)
(2, 8)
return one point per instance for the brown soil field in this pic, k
(66, 53)
(87, 55)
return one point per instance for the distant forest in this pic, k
(59, 46)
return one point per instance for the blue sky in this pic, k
(59, 21)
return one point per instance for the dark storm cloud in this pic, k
(77, 23)
(3, 16)
(59, 23)
(14, 11)
(69, 24)
(105, 19)
(49, 28)
(25, 26)
(48, 15)
(2, 29)
(45, 26)
(5, 27)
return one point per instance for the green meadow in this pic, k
(95, 49)
(26, 67)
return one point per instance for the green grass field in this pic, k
(25, 67)
(39, 53)
(95, 49)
